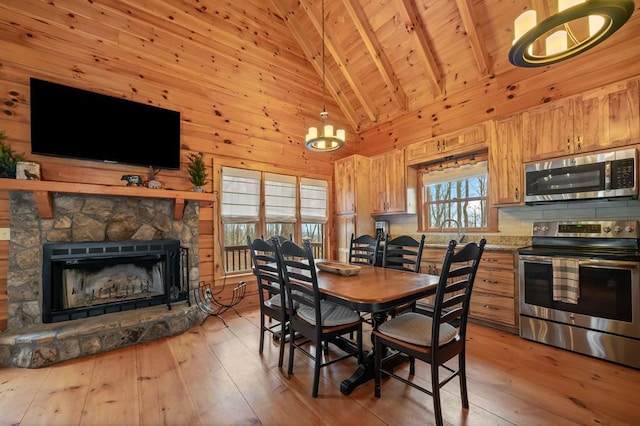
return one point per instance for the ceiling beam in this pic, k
(338, 56)
(415, 27)
(381, 61)
(307, 48)
(472, 27)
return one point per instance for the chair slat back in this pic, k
(453, 295)
(403, 252)
(299, 275)
(364, 249)
(265, 268)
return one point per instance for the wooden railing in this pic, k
(238, 258)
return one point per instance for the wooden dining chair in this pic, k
(434, 340)
(317, 321)
(271, 292)
(403, 252)
(364, 249)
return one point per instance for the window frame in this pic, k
(424, 224)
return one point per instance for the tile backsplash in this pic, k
(516, 221)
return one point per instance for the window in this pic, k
(280, 205)
(240, 214)
(292, 207)
(313, 213)
(456, 193)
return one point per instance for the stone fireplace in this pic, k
(121, 265)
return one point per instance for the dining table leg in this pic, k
(366, 370)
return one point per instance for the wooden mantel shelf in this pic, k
(43, 193)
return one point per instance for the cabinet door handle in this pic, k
(516, 194)
(491, 281)
(568, 144)
(438, 146)
(444, 145)
(490, 307)
(578, 143)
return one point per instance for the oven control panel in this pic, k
(591, 229)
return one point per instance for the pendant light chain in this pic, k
(324, 84)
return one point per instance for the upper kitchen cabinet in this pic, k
(610, 116)
(393, 184)
(548, 131)
(469, 140)
(352, 206)
(505, 162)
(350, 173)
(599, 119)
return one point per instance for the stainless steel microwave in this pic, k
(600, 175)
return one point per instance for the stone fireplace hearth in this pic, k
(30, 343)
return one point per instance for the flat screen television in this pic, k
(74, 123)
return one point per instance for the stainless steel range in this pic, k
(579, 288)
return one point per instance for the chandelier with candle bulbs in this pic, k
(578, 26)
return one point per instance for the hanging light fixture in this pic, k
(325, 141)
(578, 26)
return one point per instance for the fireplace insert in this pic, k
(88, 279)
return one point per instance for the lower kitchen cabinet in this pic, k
(494, 292)
(493, 299)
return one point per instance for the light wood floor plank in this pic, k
(60, 399)
(213, 394)
(113, 392)
(213, 375)
(18, 389)
(163, 394)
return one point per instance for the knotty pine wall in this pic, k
(244, 100)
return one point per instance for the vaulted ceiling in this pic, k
(388, 58)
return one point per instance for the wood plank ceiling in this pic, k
(388, 58)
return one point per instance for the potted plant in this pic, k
(197, 171)
(8, 159)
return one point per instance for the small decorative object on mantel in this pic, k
(197, 171)
(8, 159)
(133, 180)
(152, 182)
(27, 170)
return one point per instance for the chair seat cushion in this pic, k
(416, 328)
(332, 314)
(274, 301)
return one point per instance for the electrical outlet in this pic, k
(4, 234)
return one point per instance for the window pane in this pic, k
(286, 230)
(462, 199)
(315, 233)
(236, 253)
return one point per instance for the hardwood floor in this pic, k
(213, 375)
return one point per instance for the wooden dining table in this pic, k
(376, 290)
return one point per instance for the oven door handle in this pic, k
(618, 264)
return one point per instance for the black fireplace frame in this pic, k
(175, 275)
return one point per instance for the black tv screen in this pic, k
(75, 123)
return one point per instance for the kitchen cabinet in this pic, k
(494, 292)
(493, 299)
(352, 202)
(610, 116)
(393, 185)
(469, 140)
(505, 162)
(548, 131)
(604, 118)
